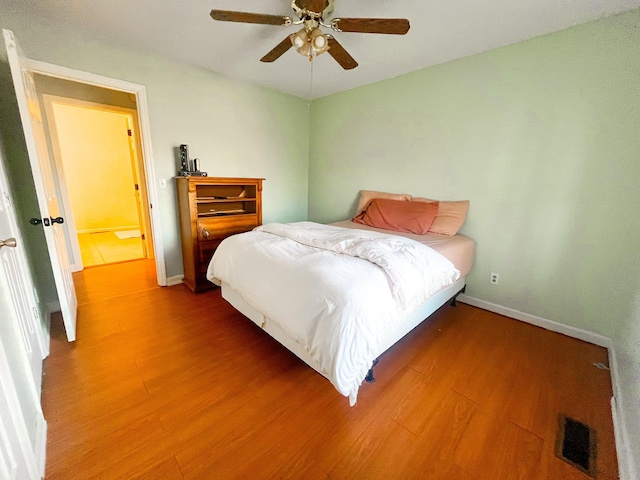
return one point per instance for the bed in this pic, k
(338, 296)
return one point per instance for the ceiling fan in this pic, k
(310, 41)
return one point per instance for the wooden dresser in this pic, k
(211, 209)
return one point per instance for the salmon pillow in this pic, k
(399, 215)
(451, 216)
(367, 195)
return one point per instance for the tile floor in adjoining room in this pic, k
(101, 248)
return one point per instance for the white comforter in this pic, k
(335, 291)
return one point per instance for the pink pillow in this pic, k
(367, 195)
(450, 217)
(399, 215)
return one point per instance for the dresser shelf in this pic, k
(210, 210)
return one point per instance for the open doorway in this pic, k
(95, 139)
(96, 155)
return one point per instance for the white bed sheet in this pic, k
(458, 249)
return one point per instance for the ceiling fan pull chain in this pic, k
(311, 83)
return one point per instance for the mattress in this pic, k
(458, 249)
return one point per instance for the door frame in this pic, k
(140, 93)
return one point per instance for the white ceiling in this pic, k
(440, 31)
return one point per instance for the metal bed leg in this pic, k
(370, 378)
(453, 300)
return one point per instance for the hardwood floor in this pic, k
(166, 384)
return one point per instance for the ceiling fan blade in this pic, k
(340, 55)
(390, 26)
(278, 51)
(243, 17)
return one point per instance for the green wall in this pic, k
(234, 128)
(543, 137)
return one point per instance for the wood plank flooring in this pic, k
(166, 384)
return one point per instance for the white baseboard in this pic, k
(40, 448)
(547, 324)
(625, 461)
(175, 280)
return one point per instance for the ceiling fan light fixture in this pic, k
(310, 44)
(300, 39)
(318, 40)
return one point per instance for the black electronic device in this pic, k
(184, 158)
(186, 169)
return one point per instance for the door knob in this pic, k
(57, 220)
(9, 242)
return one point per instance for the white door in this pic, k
(28, 332)
(22, 427)
(22, 347)
(41, 168)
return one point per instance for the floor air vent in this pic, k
(576, 444)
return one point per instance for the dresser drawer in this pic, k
(222, 227)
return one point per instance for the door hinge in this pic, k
(137, 187)
(143, 237)
(129, 132)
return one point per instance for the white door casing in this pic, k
(41, 168)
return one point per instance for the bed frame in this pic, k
(409, 323)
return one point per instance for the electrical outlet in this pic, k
(493, 279)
